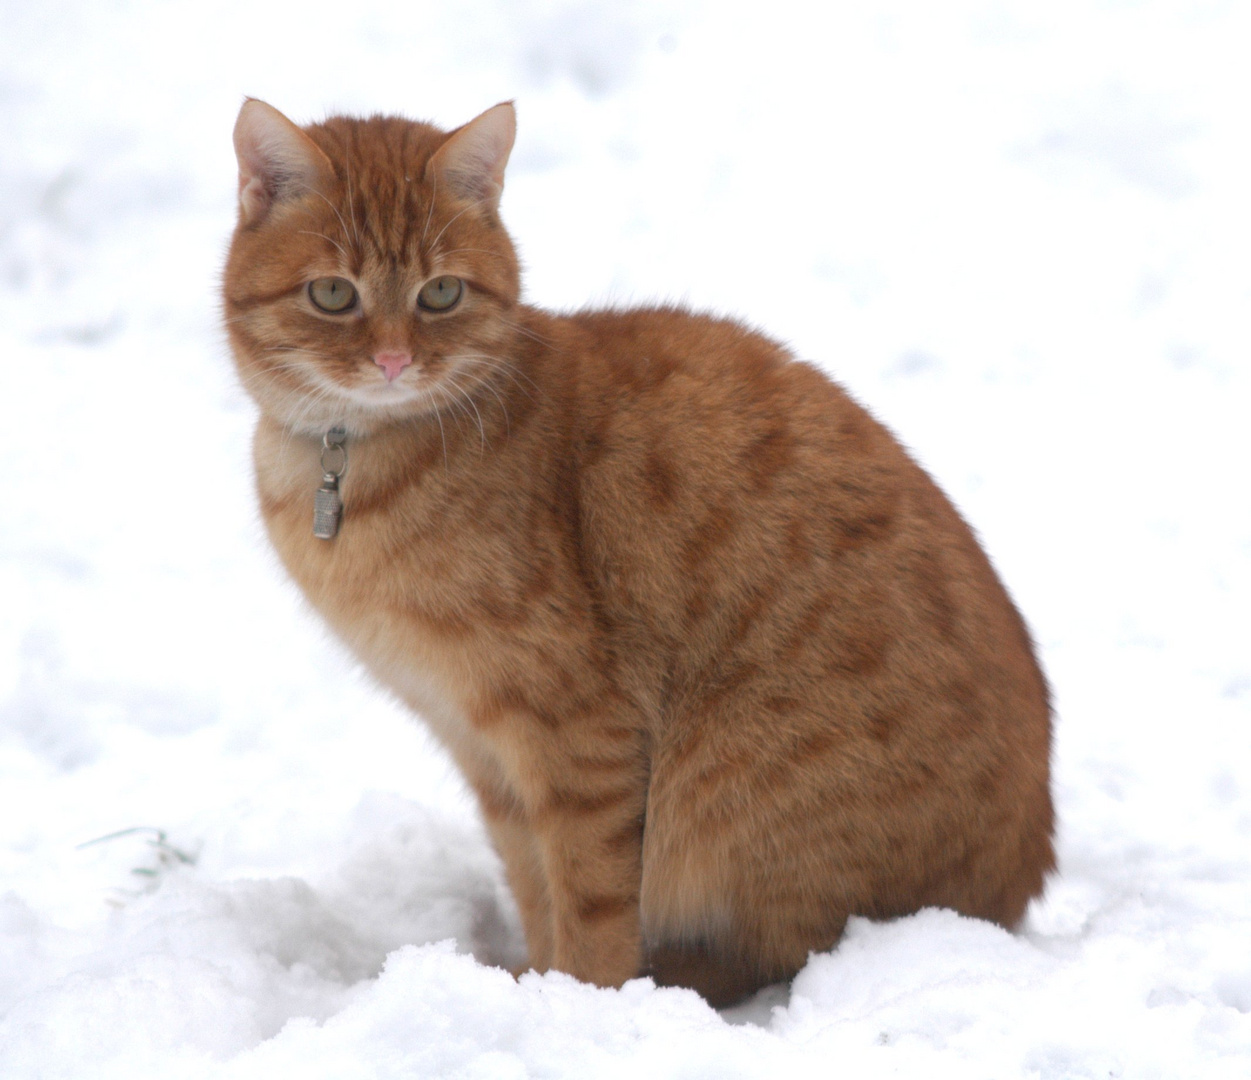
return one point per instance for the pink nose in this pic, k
(392, 363)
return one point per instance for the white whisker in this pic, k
(475, 251)
(476, 203)
(526, 332)
(323, 236)
(498, 363)
(347, 166)
(485, 381)
(450, 379)
(442, 437)
(453, 402)
(342, 224)
(434, 192)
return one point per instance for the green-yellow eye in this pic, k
(441, 293)
(333, 294)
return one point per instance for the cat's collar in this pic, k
(327, 503)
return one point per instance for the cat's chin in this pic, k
(386, 396)
(360, 414)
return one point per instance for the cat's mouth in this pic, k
(367, 397)
(413, 393)
(379, 391)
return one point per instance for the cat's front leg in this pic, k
(590, 837)
(571, 831)
(523, 865)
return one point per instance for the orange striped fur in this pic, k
(721, 662)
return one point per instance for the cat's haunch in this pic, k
(721, 662)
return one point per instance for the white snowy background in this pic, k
(1018, 231)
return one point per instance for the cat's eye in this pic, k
(441, 293)
(333, 294)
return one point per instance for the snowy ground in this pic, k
(1018, 231)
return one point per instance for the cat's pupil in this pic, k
(332, 294)
(440, 294)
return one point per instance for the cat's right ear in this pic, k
(276, 160)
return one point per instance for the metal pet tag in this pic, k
(327, 503)
(327, 508)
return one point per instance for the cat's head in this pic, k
(369, 279)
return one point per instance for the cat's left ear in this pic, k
(276, 160)
(471, 162)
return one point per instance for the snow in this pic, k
(1017, 231)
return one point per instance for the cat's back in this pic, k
(717, 463)
(718, 398)
(701, 427)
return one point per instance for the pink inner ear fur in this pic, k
(273, 154)
(472, 161)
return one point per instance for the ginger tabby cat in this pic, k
(720, 661)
